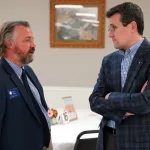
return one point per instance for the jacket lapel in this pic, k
(36, 84)
(116, 72)
(136, 65)
(21, 88)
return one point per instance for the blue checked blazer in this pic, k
(133, 132)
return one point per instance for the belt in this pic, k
(110, 130)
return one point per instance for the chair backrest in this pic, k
(87, 143)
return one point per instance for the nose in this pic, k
(33, 44)
(110, 34)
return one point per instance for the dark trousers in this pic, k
(109, 139)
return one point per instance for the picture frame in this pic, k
(69, 108)
(77, 23)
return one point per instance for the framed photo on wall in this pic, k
(77, 23)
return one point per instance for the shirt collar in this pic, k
(133, 49)
(16, 68)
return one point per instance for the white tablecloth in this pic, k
(64, 135)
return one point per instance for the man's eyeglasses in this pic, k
(112, 29)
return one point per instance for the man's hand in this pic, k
(143, 88)
(106, 97)
(129, 114)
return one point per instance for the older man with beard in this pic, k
(24, 122)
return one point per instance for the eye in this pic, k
(112, 28)
(28, 40)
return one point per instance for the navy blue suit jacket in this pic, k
(20, 127)
(132, 133)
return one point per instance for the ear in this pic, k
(133, 26)
(9, 44)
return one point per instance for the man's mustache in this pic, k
(31, 50)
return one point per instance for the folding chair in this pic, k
(86, 143)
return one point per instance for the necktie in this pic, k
(25, 82)
(46, 133)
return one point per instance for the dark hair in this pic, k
(129, 12)
(7, 32)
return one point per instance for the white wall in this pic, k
(80, 96)
(68, 66)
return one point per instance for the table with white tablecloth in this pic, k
(64, 135)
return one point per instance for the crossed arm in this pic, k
(120, 104)
(116, 105)
(127, 113)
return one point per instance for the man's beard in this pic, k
(25, 59)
